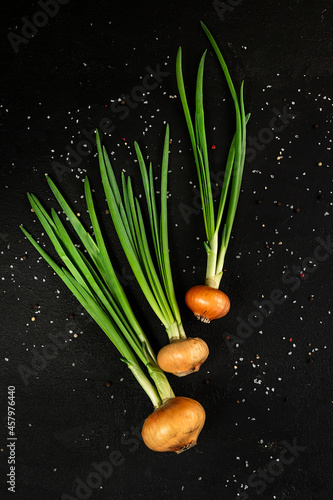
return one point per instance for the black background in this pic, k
(276, 385)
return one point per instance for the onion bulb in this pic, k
(207, 303)
(174, 426)
(182, 357)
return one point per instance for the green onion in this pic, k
(150, 263)
(93, 281)
(216, 246)
(176, 422)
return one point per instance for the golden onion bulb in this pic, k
(182, 357)
(174, 426)
(207, 303)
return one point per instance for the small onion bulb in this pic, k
(207, 303)
(174, 426)
(182, 357)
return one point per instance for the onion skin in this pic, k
(207, 303)
(182, 357)
(174, 426)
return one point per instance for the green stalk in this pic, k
(155, 279)
(96, 286)
(204, 185)
(215, 249)
(99, 255)
(159, 226)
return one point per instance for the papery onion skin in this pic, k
(182, 357)
(207, 303)
(174, 426)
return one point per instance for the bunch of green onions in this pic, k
(206, 301)
(152, 269)
(93, 281)
(176, 421)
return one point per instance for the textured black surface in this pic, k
(275, 387)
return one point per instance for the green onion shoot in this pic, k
(151, 268)
(176, 421)
(206, 301)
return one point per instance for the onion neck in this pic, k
(160, 391)
(175, 331)
(152, 392)
(182, 334)
(140, 333)
(213, 281)
(161, 382)
(213, 276)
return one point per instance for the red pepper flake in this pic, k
(291, 339)
(213, 146)
(123, 138)
(227, 337)
(302, 275)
